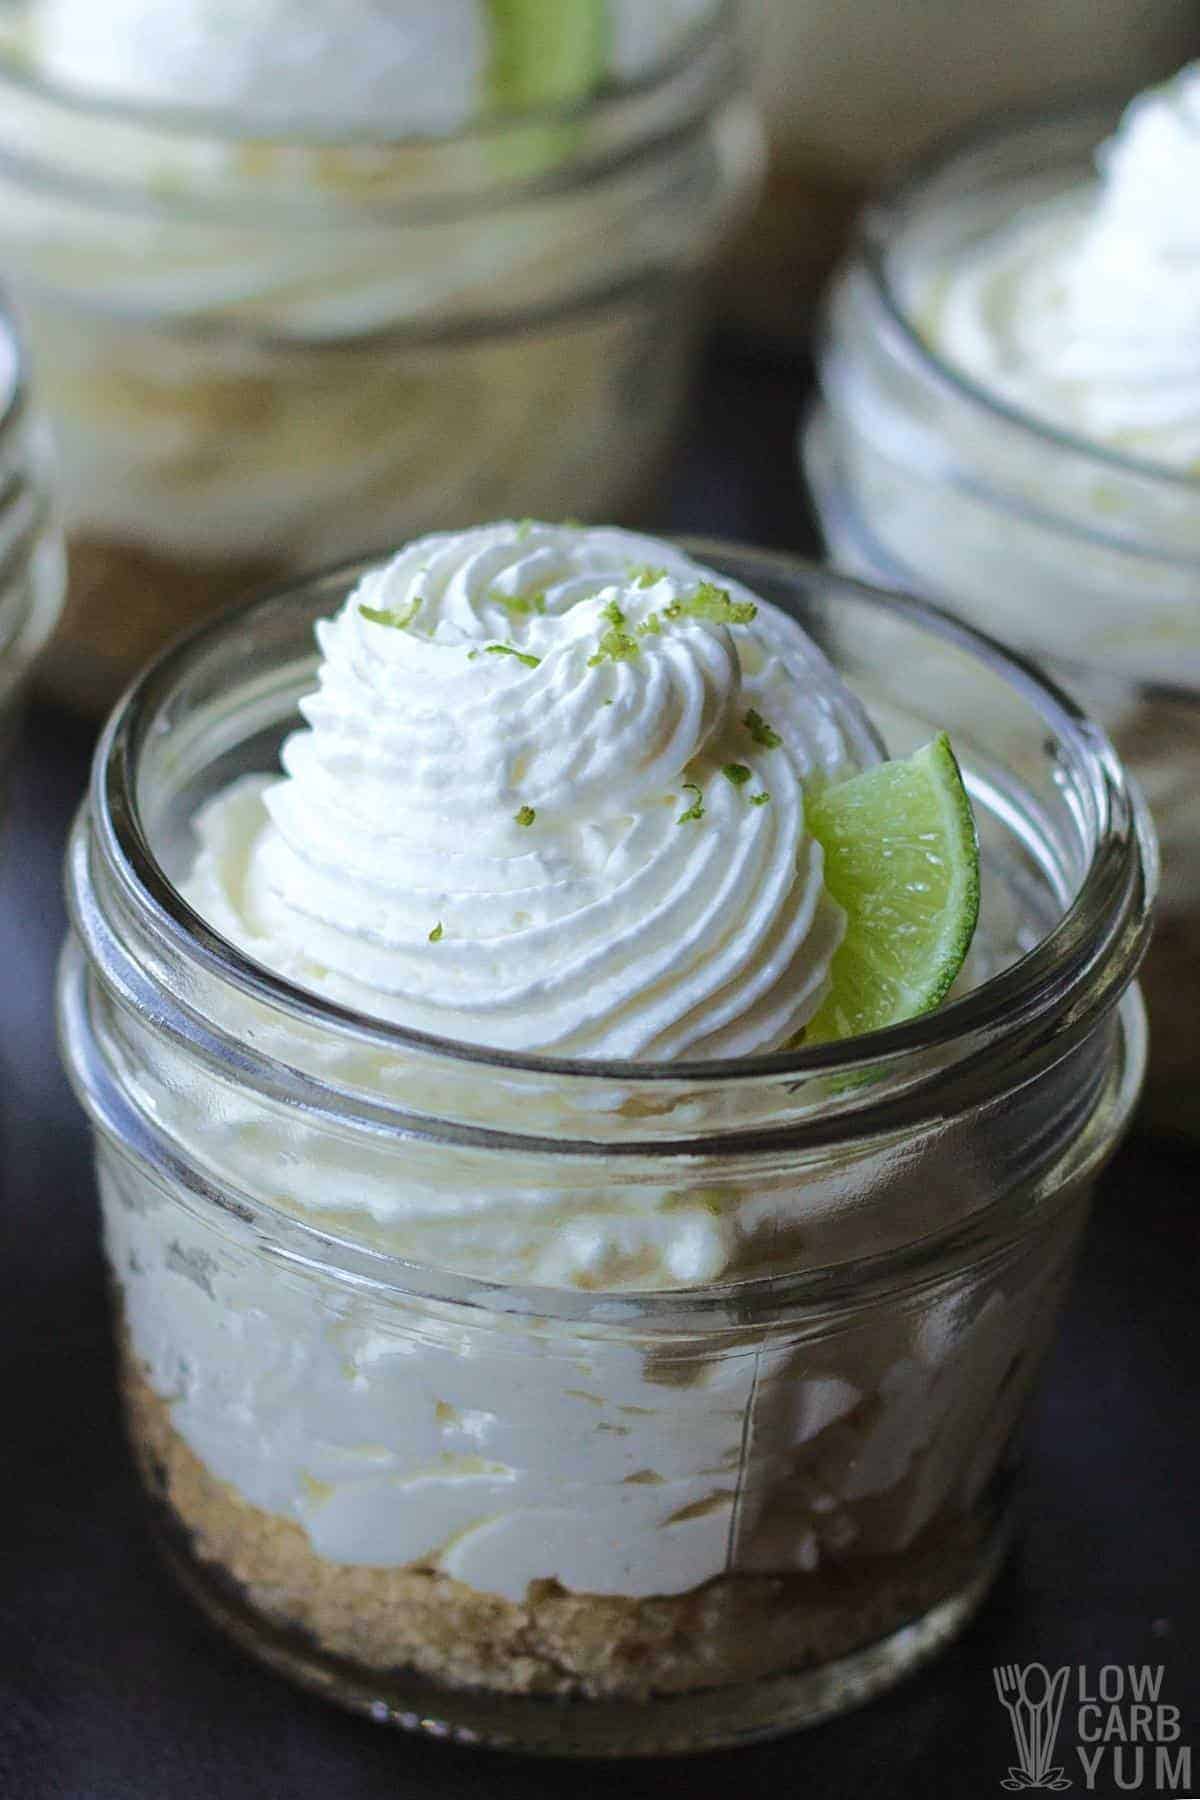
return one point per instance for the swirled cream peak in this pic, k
(1085, 309)
(551, 798)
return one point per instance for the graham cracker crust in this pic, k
(734, 1630)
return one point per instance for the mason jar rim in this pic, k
(875, 236)
(223, 126)
(1124, 849)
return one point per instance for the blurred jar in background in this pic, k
(848, 90)
(267, 340)
(32, 564)
(1009, 420)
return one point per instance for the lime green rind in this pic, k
(545, 55)
(902, 860)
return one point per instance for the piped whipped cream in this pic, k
(1084, 310)
(550, 798)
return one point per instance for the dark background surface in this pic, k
(111, 1688)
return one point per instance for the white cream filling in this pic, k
(504, 1454)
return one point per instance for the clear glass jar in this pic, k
(595, 1522)
(1086, 557)
(266, 355)
(32, 561)
(848, 91)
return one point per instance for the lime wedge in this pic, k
(545, 54)
(902, 861)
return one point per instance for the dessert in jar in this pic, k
(848, 91)
(297, 288)
(1010, 420)
(32, 562)
(584, 1214)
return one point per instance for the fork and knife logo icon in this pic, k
(1033, 1699)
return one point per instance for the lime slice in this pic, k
(545, 54)
(902, 861)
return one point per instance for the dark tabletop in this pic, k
(112, 1688)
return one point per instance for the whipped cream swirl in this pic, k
(1085, 309)
(551, 798)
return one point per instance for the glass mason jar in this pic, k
(1087, 557)
(32, 562)
(595, 1520)
(847, 92)
(262, 355)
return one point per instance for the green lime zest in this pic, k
(522, 656)
(526, 816)
(520, 606)
(645, 575)
(714, 604)
(651, 626)
(437, 934)
(396, 620)
(760, 731)
(762, 799)
(696, 809)
(613, 614)
(615, 646)
(902, 861)
(524, 527)
(737, 773)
